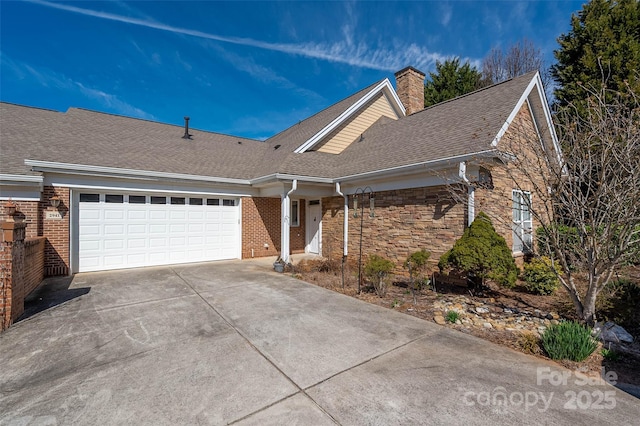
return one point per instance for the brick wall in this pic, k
(261, 224)
(56, 231)
(11, 273)
(33, 263)
(27, 212)
(405, 221)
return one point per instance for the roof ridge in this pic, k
(158, 122)
(476, 91)
(31, 107)
(324, 109)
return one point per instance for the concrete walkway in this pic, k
(230, 342)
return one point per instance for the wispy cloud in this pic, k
(51, 79)
(265, 75)
(347, 51)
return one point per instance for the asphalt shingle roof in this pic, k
(460, 126)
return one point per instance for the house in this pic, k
(111, 192)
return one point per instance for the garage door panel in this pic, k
(137, 214)
(114, 215)
(113, 244)
(88, 214)
(157, 214)
(124, 234)
(158, 229)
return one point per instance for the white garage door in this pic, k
(130, 230)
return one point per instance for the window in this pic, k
(110, 198)
(137, 199)
(195, 201)
(89, 198)
(177, 200)
(158, 200)
(229, 203)
(295, 213)
(213, 202)
(522, 225)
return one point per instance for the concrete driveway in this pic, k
(230, 342)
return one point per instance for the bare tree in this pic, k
(520, 58)
(586, 200)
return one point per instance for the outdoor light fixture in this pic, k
(55, 201)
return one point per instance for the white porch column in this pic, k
(285, 222)
(285, 208)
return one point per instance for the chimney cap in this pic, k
(405, 69)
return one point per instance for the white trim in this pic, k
(385, 84)
(83, 169)
(345, 225)
(536, 82)
(288, 177)
(307, 230)
(297, 201)
(549, 120)
(424, 164)
(21, 180)
(515, 111)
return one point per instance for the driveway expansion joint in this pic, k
(246, 339)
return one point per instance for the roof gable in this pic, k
(384, 88)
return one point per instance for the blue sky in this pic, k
(244, 68)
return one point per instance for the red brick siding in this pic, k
(297, 234)
(56, 231)
(11, 273)
(261, 224)
(33, 263)
(27, 212)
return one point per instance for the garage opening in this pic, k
(117, 230)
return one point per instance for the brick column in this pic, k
(11, 272)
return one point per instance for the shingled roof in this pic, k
(464, 125)
(461, 126)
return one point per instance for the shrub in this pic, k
(377, 269)
(539, 276)
(568, 340)
(529, 343)
(416, 263)
(482, 253)
(452, 316)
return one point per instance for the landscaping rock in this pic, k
(481, 310)
(611, 332)
(487, 325)
(439, 319)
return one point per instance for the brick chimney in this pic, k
(410, 89)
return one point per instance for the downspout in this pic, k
(285, 234)
(462, 173)
(345, 230)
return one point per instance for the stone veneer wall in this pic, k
(497, 202)
(405, 221)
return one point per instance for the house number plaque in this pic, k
(53, 215)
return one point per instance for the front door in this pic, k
(314, 217)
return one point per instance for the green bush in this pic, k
(377, 269)
(416, 263)
(568, 340)
(452, 317)
(539, 276)
(482, 253)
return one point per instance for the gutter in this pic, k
(462, 173)
(284, 176)
(83, 169)
(21, 180)
(345, 230)
(424, 164)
